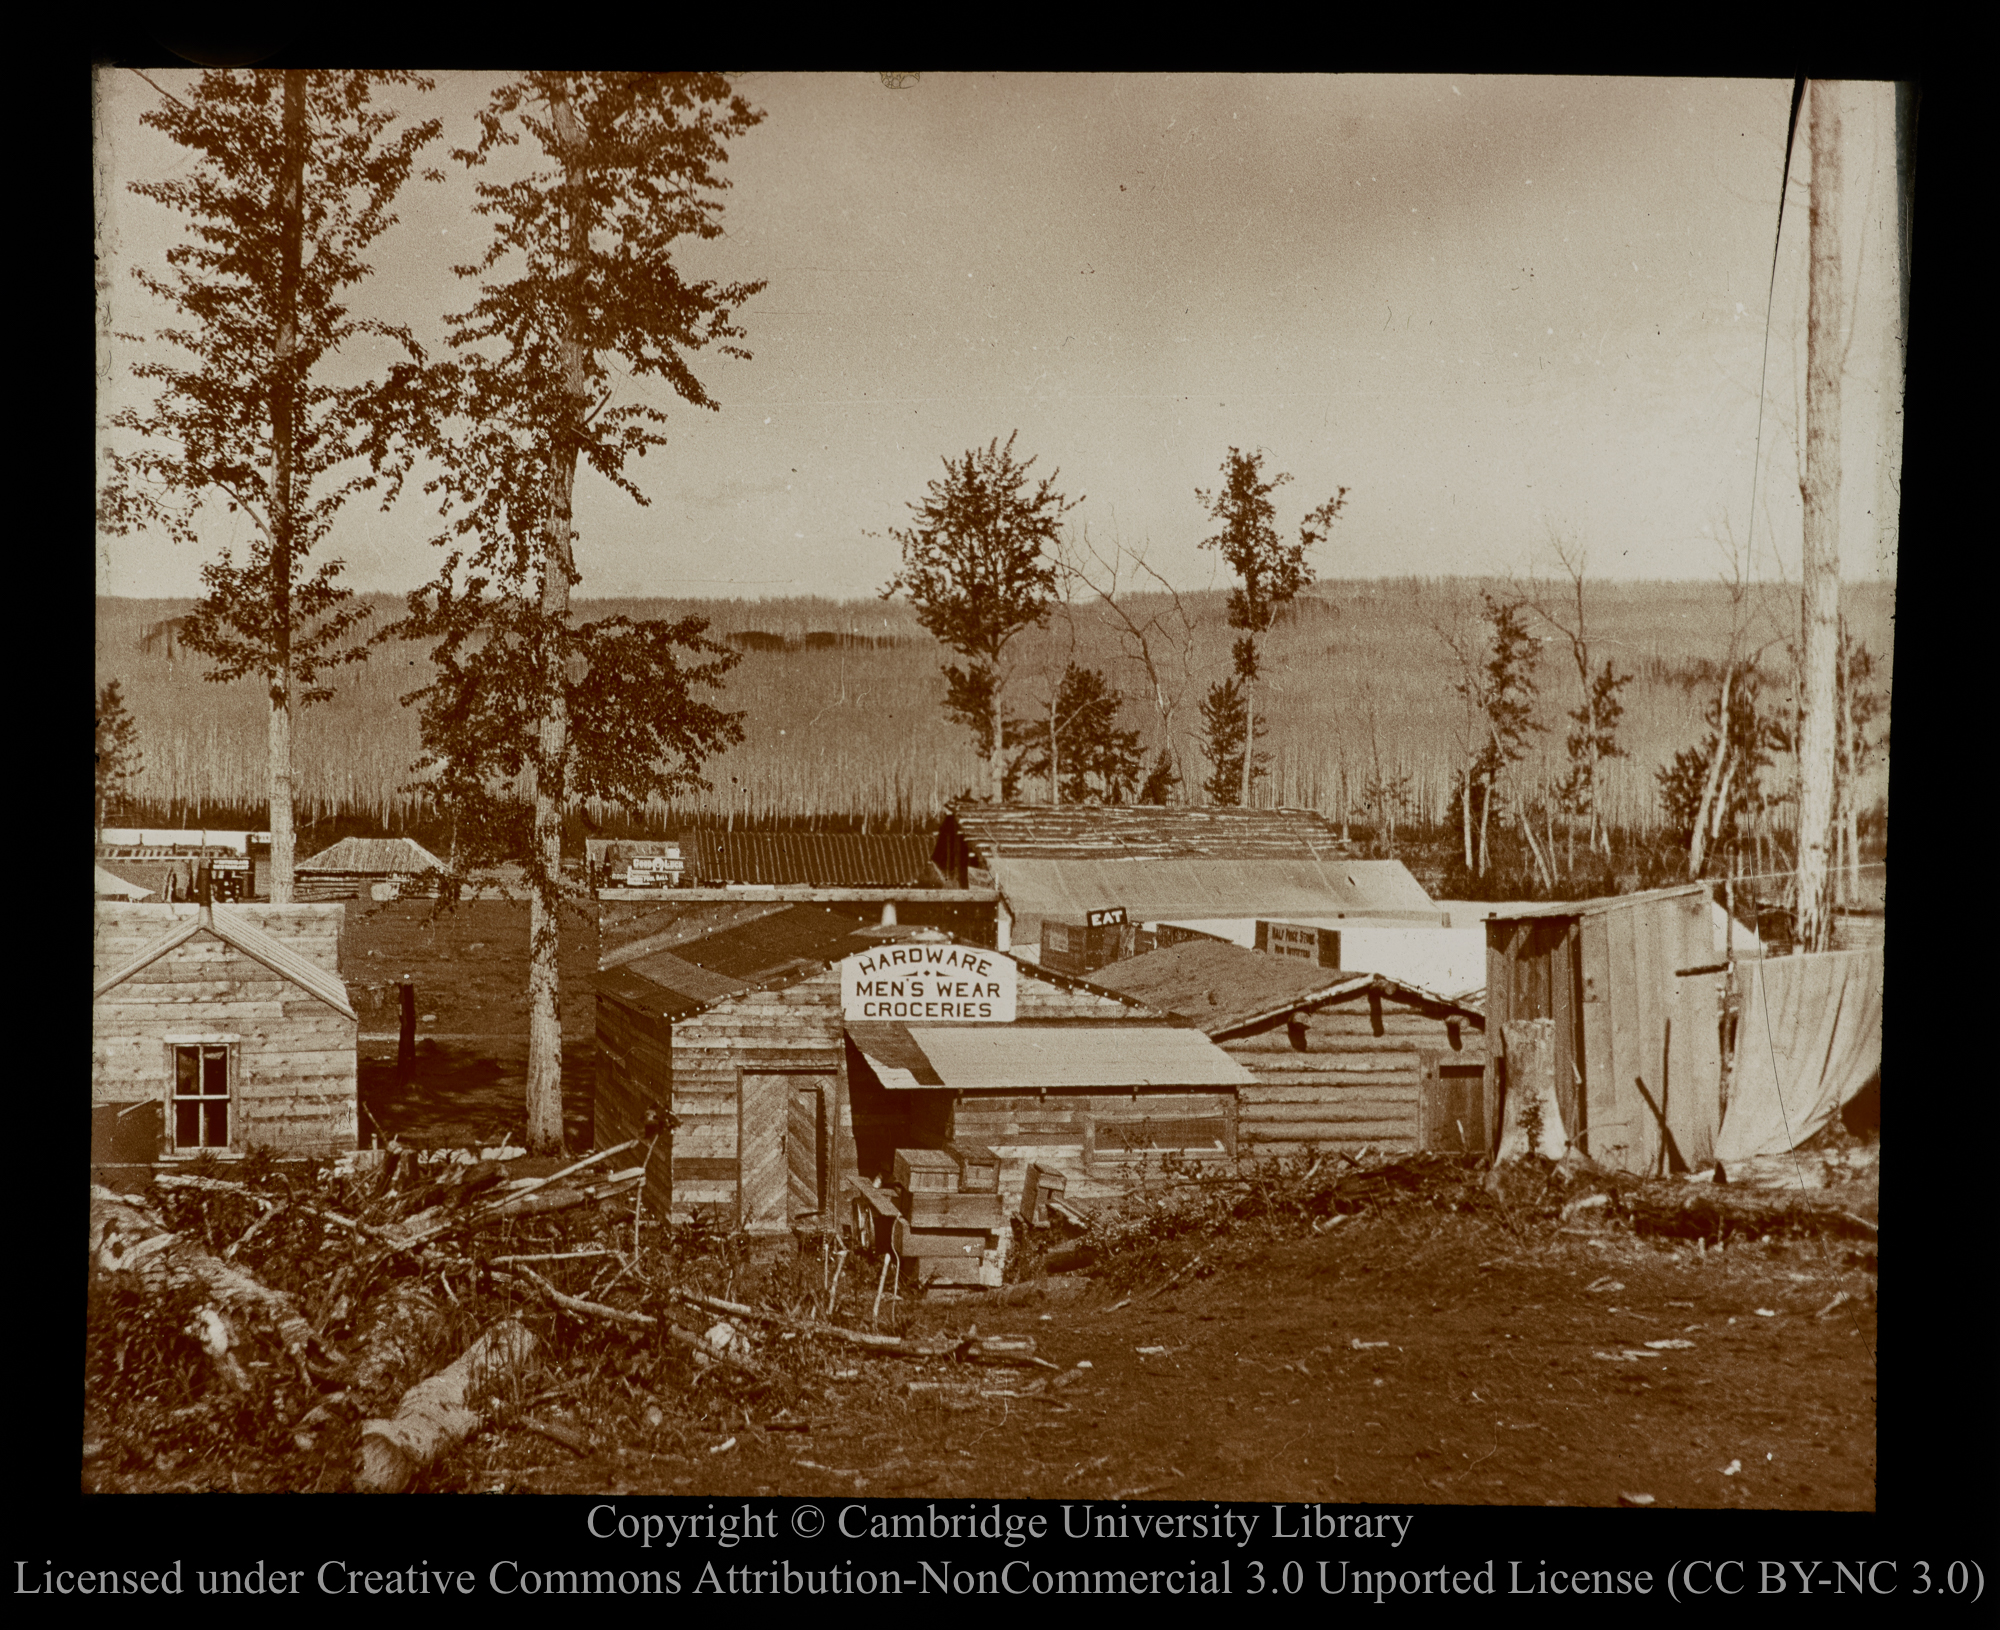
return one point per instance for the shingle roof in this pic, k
(1146, 831)
(254, 943)
(1223, 987)
(387, 857)
(1220, 986)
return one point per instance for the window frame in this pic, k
(230, 1046)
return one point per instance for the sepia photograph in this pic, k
(1035, 796)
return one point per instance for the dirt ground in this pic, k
(1399, 1356)
(469, 967)
(1432, 1360)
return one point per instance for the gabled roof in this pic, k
(1135, 832)
(1225, 988)
(827, 860)
(254, 943)
(1591, 908)
(389, 857)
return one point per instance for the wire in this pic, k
(1770, 299)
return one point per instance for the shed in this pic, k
(220, 1030)
(1156, 864)
(1606, 972)
(1337, 1059)
(353, 866)
(779, 1095)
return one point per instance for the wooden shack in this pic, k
(1607, 973)
(1338, 1060)
(220, 1030)
(780, 1093)
(358, 868)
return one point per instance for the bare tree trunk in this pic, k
(284, 519)
(1249, 739)
(1485, 819)
(1465, 814)
(547, 767)
(1697, 848)
(1820, 600)
(996, 769)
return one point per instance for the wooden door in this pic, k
(782, 1147)
(1454, 1104)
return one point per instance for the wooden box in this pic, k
(966, 1245)
(1043, 1185)
(978, 1168)
(944, 1270)
(926, 1170)
(930, 1210)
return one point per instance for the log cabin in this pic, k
(220, 1030)
(1337, 1060)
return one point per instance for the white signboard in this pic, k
(916, 980)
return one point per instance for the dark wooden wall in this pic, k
(1360, 1070)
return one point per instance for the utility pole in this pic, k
(1820, 490)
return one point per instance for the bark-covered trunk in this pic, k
(548, 767)
(996, 746)
(1698, 845)
(284, 507)
(1820, 599)
(1465, 813)
(1249, 739)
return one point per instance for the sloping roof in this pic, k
(254, 943)
(773, 949)
(1591, 908)
(1145, 831)
(671, 925)
(1026, 1057)
(1220, 986)
(110, 884)
(827, 860)
(1162, 890)
(1224, 988)
(387, 857)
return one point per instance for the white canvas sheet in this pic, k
(1808, 1039)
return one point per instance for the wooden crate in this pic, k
(963, 1244)
(930, 1210)
(944, 1270)
(978, 1168)
(1043, 1185)
(921, 1170)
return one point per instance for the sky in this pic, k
(1493, 309)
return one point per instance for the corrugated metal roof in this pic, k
(252, 942)
(827, 860)
(1159, 890)
(1016, 1057)
(1150, 832)
(388, 857)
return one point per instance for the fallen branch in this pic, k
(436, 1415)
(686, 1338)
(1179, 1274)
(894, 1346)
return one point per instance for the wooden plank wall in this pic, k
(797, 1028)
(635, 1073)
(1606, 977)
(1099, 1141)
(121, 932)
(1357, 1080)
(297, 1085)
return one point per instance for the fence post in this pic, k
(406, 1040)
